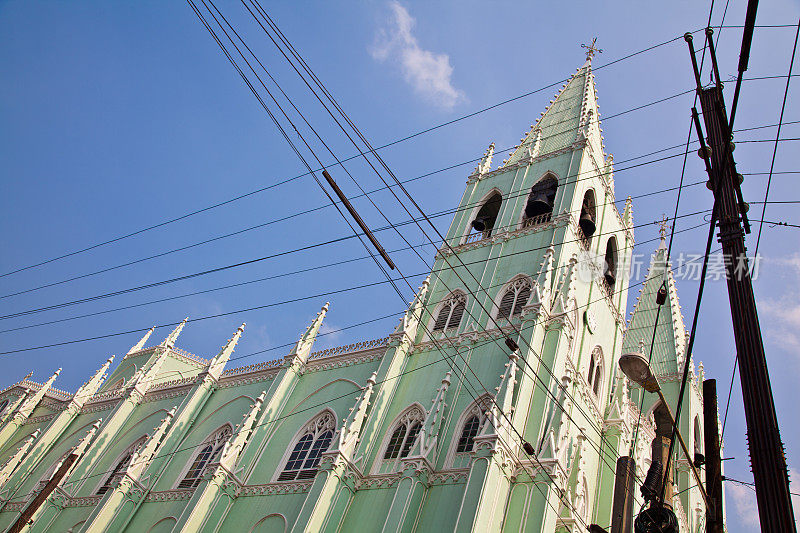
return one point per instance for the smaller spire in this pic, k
(540, 294)
(141, 458)
(94, 383)
(15, 460)
(500, 408)
(235, 445)
(428, 435)
(169, 342)
(565, 294)
(485, 164)
(302, 349)
(627, 215)
(84, 443)
(351, 429)
(139, 345)
(217, 364)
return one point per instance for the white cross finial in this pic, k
(591, 49)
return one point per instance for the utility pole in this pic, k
(624, 485)
(766, 449)
(714, 517)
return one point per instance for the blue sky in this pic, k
(116, 116)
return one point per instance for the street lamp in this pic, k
(635, 366)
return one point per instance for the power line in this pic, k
(286, 180)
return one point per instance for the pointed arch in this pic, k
(513, 296)
(470, 424)
(541, 200)
(698, 437)
(449, 311)
(302, 456)
(484, 215)
(611, 262)
(120, 465)
(163, 525)
(272, 523)
(588, 217)
(400, 439)
(208, 452)
(595, 376)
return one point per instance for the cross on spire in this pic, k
(591, 49)
(663, 229)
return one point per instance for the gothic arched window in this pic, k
(404, 434)
(121, 465)
(208, 452)
(539, 207)
(472, 423)
(309, 444)
(515, 298)
(610, 273)
(486, 217)
(451, 312)
(588, 217)
(595, 376)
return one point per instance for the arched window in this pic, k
(3, 406)
(595, 376)
(314, 439)
(403, 436)
(486, 218)
(698, 439)
(451, 312)
(539, 207)
(588, 217)
(122, 464)
(471, 424)
(610, 274)
(210, 450)
(515, 298)
(117, 384)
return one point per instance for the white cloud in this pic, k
(782, 324)
(427, 72)
(744, 502)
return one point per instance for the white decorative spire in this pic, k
(141, 458)
(428, 435)
(86, 441)
(302, 349)
(169, 342)
(92, 386)
(485, 164)
(412, 316)
(540, 293)
(31, 402)
(233, 448)
(351, 429)
(627, 215)
(15, 460)
(500, 408)
(217, 364)
(139, 345)
(564, 296)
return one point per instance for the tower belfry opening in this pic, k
(487, 215)
(542, 197)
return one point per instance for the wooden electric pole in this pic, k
(714, 517)
(763, 435)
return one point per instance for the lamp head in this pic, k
(635, 366)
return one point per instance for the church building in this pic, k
(495, 405)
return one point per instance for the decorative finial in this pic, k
(663, 229)
(591, 50)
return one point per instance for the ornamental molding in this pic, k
(170, 495)
(464, 338)
(40, 419)
(378, 482)
(15, 506)
(559, 220)
(586, 394)
(525, 161)
(453, 477)
(282, 487)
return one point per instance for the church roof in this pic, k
(669, 346)
(559, 124)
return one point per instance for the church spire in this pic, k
(670, 345)
(234, 446)
(169, 342)
(302, 349)
(94, 383)
(217, 364)
(570, 115)
(15, 460)
(139, 345)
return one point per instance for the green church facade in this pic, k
(495, 404)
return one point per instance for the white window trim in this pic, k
(312, 422)
(519, 278)
(213, 436)
(413, 413)
(108, 472)
(451, 299)
(478, 407)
